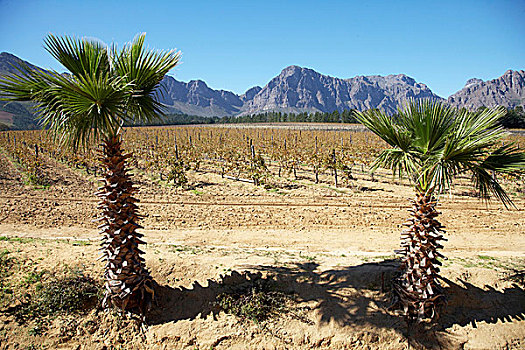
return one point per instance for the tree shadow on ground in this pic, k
(469, 304)
(349, 296)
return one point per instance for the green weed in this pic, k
(185, 249)
(485, 257)
(72, 293)
(17, 239)
(81, 243)
(307, 257)
(34, 277)
(7, 263)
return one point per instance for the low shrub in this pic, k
(257, 302)
(73, 293)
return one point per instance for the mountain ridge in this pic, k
(301, 89)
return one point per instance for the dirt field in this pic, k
(332, 249)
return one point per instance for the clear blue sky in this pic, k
(234, 45)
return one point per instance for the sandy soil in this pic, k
(331, 247)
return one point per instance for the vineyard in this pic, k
(254, 155)
(250, 155)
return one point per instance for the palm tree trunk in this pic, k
(417, 291)
(128, 283)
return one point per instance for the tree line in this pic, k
(346, 116)
(514, 119)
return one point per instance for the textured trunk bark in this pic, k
(128, 283)
(417, 291)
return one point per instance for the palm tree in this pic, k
(104, 89)
(432, 144)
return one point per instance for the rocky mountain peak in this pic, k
(293, 69)
(8, 62)
(296, 71)
(198, 84)
(298, 89)
(8, 56)
(405, 78)
(250, 93)
(507, 90)
(473, 81)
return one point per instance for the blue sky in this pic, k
(234, 45)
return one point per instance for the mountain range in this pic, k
(299, 89)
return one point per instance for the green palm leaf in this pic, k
(145, 70)
(80, 57)
(433, 143)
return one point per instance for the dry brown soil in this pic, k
(333, 248)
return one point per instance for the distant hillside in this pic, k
(9, 63)
(196, 98)
(16, 115)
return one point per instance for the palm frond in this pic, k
(79, 110)
(505, 159)
(487, 186)
(145, 69)
(23, 84)
(386, 128)
(73, 108)
(80, 57)
(429, 122)
(400, 162)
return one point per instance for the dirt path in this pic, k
(319, 202)
(334, 241)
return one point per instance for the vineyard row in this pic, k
(249, 154)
